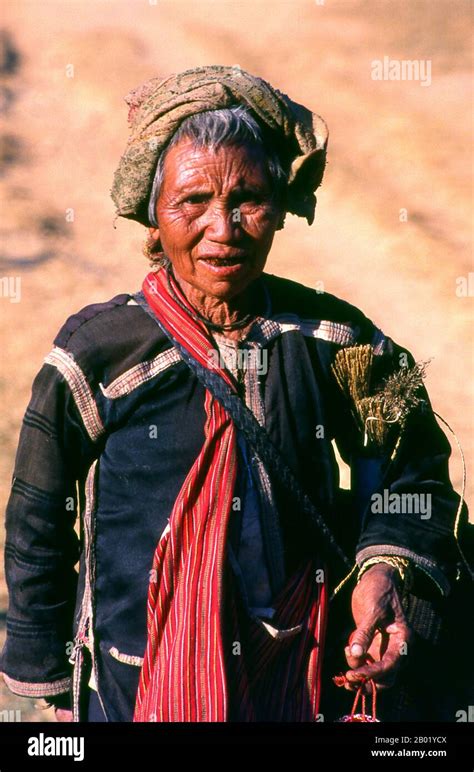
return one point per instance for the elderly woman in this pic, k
(192, 425)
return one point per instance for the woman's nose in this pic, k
(222, 223)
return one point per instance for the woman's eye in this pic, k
(249, 198)
(196, 198)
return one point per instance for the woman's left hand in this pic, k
(381, 631)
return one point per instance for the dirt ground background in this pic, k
(393, 145)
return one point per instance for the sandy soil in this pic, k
(394, 145)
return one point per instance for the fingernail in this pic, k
(357, 650)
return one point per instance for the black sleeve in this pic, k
(405, 500)
(42, 547)
(63, 701)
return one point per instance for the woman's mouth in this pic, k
(223, 265)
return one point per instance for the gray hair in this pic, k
(213, 128)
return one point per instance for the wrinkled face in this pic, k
(216, 216)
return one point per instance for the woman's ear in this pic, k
(153, 239)
(152, 248)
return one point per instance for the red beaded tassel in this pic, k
(341, 680)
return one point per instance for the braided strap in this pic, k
(259, 440)
(256, 436)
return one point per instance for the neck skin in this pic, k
(220, 311)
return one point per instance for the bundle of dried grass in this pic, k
(380, 409)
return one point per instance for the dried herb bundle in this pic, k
(378, 408)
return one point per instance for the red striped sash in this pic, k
(205, 659)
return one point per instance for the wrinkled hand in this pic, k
(381, 629)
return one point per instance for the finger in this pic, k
(376, 650)
(383, 670)
(361, 638)
(365, 685)
(386, 644)
(352, 661)
(386, 650)
(356, 653)
(401, 630)
(355, 679)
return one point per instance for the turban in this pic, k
(158, 107)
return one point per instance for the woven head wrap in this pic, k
(158, 107)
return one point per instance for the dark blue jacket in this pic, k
(115, 422)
